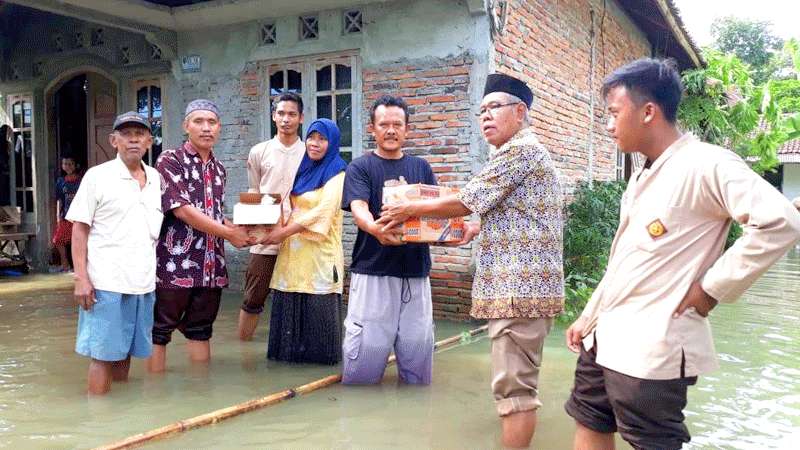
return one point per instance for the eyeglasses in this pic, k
(492, 109)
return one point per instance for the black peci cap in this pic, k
(500, 82)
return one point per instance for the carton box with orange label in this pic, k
(425, 229)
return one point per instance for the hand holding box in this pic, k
(425, 229)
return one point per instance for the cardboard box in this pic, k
(257, 209)
(425, 229)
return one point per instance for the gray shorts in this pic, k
(385, 313)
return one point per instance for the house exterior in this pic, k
(786, 177)
(69, 66)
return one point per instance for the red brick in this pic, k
(442, 99)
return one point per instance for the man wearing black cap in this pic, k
(116, 217)
(519, 283)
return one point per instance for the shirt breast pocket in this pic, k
(266, 167)
(153, 214)
(658, 230)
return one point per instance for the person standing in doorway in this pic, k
(390, 292)
(519, 281)
(271, 168)
(116, 216)
(644, 337)
(190, 251)
(66, 188)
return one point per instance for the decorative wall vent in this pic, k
(353, 21)
(309, 27)
(58, 42)
(155, 52)
(14, 73)
(125, 53)
(79, 40)
(268, 34)
(97, 37)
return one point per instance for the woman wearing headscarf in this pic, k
(305, 325)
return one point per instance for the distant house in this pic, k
(69, 66)
(786, 176)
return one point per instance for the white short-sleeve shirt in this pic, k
(124, 223)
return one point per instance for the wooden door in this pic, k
(102, 111)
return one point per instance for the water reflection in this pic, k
(752, 402)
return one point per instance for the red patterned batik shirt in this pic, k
(188, 257)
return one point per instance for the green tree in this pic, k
(751, 40)
(787, 94)
(791, 49)
(723, 106)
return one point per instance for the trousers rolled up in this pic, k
(383, 314)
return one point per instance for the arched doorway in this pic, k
(80, 106)
(83, 108)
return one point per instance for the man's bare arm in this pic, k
(84, 291)
(366, 222)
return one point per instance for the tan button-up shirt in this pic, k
(674, 220)
(271, 168)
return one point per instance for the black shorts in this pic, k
(648, 414)
(190, 310)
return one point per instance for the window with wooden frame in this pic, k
(149, 103)
(334, 100)
(329, 86)
(284, 79)
(24, 162)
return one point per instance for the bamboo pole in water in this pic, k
(251, 405)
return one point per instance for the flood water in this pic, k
(752, 402)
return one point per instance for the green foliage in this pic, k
(724, 107)
(791, 49)
(733, 234)
(787, 94)
(592, 220)
(751, 41)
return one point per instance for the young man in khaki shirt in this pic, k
(271, 168)
(644, 336)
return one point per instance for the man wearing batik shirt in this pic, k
(191, 268)
(519, 280)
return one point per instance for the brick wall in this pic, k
(437, 91)
(238, 99)
(547, 43)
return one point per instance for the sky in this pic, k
(697, 15)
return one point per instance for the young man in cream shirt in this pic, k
(644, 336)
(271, 168)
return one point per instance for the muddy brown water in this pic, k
(752, 402)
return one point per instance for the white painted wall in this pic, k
(791, 180)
